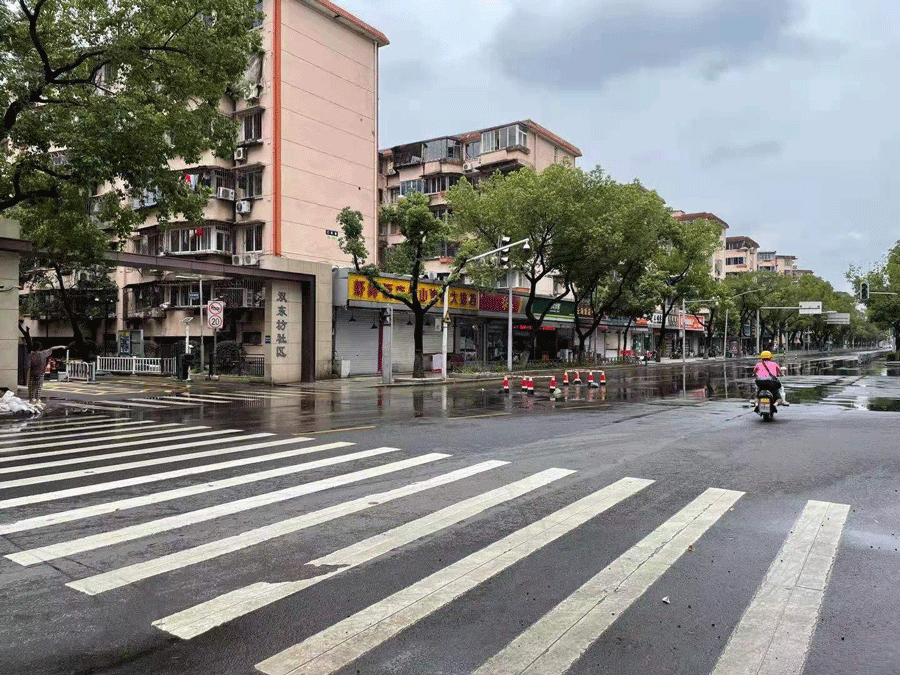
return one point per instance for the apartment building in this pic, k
(717, 260)
(307, 148)
(740, 255)
(773, 261)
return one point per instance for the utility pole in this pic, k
(757, 332)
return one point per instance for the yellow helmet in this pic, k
(766, 355)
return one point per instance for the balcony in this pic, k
(507, 159)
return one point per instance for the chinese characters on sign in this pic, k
(281, 325)
(499, 302)
(360, 288)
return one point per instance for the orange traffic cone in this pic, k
(566, 378)
(506, 383)
(524, 383)
(577, 379)
(602, 378)
(552, 382)
(591, 383)
(531, 385)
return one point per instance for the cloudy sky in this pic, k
(779, 116)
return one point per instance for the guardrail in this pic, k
(134, 364)
(81, 371)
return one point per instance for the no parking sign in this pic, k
(214, 312)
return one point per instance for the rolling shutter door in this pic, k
(404, 343)
(355, 341)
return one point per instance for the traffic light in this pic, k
(504, 254)
(864, 291)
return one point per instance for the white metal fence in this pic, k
(81, 371)
(135, 365)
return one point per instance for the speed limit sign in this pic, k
(214, 321)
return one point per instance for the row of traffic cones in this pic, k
(528, 381)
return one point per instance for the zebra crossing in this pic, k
(772, 636)
(178, 401)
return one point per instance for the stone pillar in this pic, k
(9, 309)
(283, 332)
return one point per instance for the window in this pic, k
(216, 178)
(443, 148)
(734, 245)
(408, 186)
(447, 249)
(251, 337)
(435, 184)
(251, 126)
(735, 261)
(250, 184)
(441, 212)
(393, 195)
(473, 150)
(187, 295)
(253, 238)
(258, 20)
(497, 139)
(204, 239)
(766, 256)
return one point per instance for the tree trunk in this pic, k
(419, 355)
(582, 339)
(63, 294)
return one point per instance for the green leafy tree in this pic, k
(607, 257)
(538, 207)
(683, 264)
(422, 233)
(883, 310)
(98, 98)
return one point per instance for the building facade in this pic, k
(740, 255)
(717, 260)
(307, 148)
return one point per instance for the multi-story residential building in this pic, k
(307, 148)
(717, 261)
(433, 166)
(772, 261)
(740, 255)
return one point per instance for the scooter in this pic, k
(765, 405)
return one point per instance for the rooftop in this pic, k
(702, 215)
(747, 242)
(341, 15)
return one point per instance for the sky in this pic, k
(779, 116)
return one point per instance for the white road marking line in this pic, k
(773, 635)
(562, 635)
(140, 530)
(193, 400)
(196, 620)
(178, 493)
(157, 400)
(100, 583)
(179, 473)
(132, 433)
(92, 406)
(109, 455)
(68, 433)
(347, 640)
(74, 420)
(111, 468)
(127, 404)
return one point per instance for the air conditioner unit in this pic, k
(237, 260)
(252, 258)
(225, 193)
(470, 166)
(240, 154)
(243, 207)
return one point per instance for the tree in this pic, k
(606, 257)
(537, 207)
(683, 265)
(108, 94)
(882, 310)
(422, 233)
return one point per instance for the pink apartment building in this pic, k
(307, 148)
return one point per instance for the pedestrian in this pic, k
(36, 363)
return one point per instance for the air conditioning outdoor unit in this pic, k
(243, 207)
(225, 193)
(240, 154)
(237, 260)
(251, 258)
(248, 298)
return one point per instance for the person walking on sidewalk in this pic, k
(36, 362)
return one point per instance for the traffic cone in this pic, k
(524, 383)
(566, 378)
(506, 383)
(602, 378)
(531, 385)
(591, 383)
(552, 382)
(577, 379)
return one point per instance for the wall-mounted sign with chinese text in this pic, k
(361, 289)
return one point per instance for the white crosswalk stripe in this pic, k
(52, 423)
(90, 405)
(140, 433)
(179, 473)
(562, 635)
(76, 432)
(194, 621)
(347, 640)
(110, 468)
(167, 400)
(773, 636)
(90, 543)
(107, 581)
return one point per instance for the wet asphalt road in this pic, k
(687, 431)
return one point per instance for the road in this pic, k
(654, 526)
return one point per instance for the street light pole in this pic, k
(683, 344)
(509, 314)
(757, 331)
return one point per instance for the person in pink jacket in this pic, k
(766, 373)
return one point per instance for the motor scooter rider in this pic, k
(766, 373)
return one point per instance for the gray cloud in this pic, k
(724, 154)
(584, 48)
